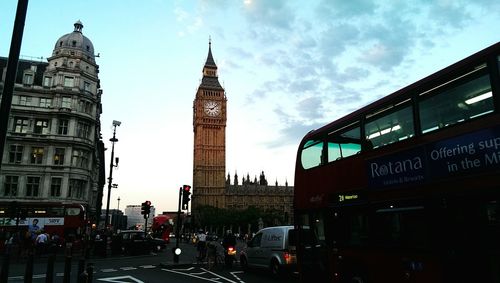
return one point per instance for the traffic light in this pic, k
(146, 208)
(186, 192)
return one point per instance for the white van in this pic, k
(273, 248)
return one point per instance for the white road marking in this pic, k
(186, 269)
(108, 270)
(237, 278)
(128, 268)
(198, 273)
(118, 279)
(147, 266)
(219, 276)
(188, 274)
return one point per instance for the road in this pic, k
(149, 268)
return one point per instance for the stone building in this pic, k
(53, 151)
(259, 194)
(210, 187)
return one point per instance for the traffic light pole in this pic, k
(178, 228)
(10, 74)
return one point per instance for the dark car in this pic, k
(135, 242)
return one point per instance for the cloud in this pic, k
(340, 9)
(188, 23)
(335, 40)
(311, 108)
(271, 14)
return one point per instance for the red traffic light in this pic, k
(148, 203)
(186, 188)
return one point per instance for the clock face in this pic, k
(212, 108)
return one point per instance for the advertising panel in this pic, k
(462, 155)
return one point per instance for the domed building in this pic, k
(53, 162)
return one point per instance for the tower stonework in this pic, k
(209, 126)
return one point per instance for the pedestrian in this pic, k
(41, 242)
(202, 245)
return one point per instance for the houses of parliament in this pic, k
(210, 185)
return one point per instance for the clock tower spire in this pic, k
(209, 126)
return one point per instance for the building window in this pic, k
(63, 127)
(45, 102)
(32, 186)
(66, 102)
(10, 186)
(28, 79)
(25, 100)
(55, 187)
(83, 130)
(86, 86)
(47, 81)
(80, 158)
(16, 153)
(86, 106)
(69, 81)
(21, 125)
(41, 127)
(76, 188)
(37, 155)
(59, 156)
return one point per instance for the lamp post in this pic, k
(112, 164)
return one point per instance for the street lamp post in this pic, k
(112, 164)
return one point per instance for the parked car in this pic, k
(136, 242)
(273, 248)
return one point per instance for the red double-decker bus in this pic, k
(407, 188)
(65, 220)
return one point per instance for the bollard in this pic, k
(28, 272)
(81, 269)
(49, 276)
(90, 272)
(4, 275)
(67, 270)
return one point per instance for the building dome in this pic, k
(75, 41)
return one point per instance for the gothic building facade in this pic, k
(53, 151)
(210, 187)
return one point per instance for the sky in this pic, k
(287, 67)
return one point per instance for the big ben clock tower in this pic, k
(209, 125)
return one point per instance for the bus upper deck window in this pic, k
(456, 104)
(311, 155)
(390, 128)
(72, 211)
(343, 143)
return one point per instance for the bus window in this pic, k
(390, 128)
(311, 155)
(343, 144)
(455, 105)
(73, 211)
